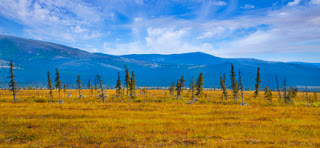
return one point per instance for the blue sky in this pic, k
(286, 30)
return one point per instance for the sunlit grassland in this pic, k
(209, 97)
(155, 120)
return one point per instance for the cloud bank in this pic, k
(222, 28)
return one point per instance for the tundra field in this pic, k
(156, 119)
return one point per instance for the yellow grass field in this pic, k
(156, 120)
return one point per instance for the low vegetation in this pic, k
(154, 118)
(129, 116)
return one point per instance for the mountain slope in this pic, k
(195, 58)
(34, 59)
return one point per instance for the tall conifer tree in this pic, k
(241, 88)
(182, 81)
(199, 85)
(50, 85)
(58, 83)
(278, 88)
(171, 89)
(178, 89)
(89, 87)
(223, 87)
(79, 86)
(285, 95)
(192, 88)
(13, 85)
(234, 84)
(133, 84)
(257, 85)
(127, 80)
(99, 81)
(65, 89)
(118, 86)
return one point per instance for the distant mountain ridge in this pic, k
(35, 58)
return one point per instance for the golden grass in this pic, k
(157, 121)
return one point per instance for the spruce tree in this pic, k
(127, 80)
(178, 89)
(315, 98)
(182, 81)
(58, 83)
(266, 90)
(95, 86)
(225, 81)
(234, 84)
(278, 88)
(257, 85)
(268, 94)
(171, 89)
(293, 92)
(144, 90)
(50, 85)
(64, 89)
(285, 95)
(13, 85)
(223, 87)
(192, 88)
(241, 88)
(92, 89)
(307, 94)
(118, 86)
(133, 84)
(89, 87)
(79, 86)
(199, 85)
(99, 81)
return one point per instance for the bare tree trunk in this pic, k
(14, 96)
(242, 98)
(59, 97)
(236, 98)
(278, 88)
(307, 95)
(79, 94)
(102, 95)
(128, 94)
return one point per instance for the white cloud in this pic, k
(159, 40)
(212, 33)
(296, 31)
(276, 31)
(316, 2)
(53, 19)
(218, 3)
(247, 6)
(287, 29)
(295, 2)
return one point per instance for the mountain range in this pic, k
(33, 59)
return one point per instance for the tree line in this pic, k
(195, 88)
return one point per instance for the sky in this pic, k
(274, 30)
